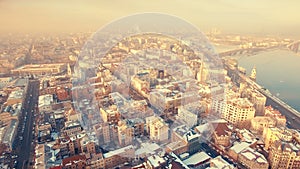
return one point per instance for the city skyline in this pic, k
(245, 17)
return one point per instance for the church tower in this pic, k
(253, 74)
(69, 70)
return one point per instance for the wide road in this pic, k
(292, 120)
(23, 147)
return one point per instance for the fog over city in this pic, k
(149, 84)
(231, 16)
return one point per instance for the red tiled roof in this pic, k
(73, 159)
(56, 167)
(221, 129)
(176, 165)
(140, 166)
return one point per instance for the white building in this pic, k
(271, 134)
(197, 160)
(188, 117)
(45, 102)
(259, 123)
(259, 102)
(253, 159)
(15, 97)
(219, 162)
(4, 81)
(238, 110)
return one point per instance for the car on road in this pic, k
(15, 164)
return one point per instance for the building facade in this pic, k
(272, 134)
(284, 155)
(157, 129)
(259, 123)
(239, 111)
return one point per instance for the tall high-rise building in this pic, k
(202, 73)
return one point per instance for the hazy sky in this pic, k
(276, 17)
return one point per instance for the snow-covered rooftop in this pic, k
(237, 148)
(118, 151)
(147, 149)
(219, 162)
(196, 158)
(156, 160)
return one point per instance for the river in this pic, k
(278, 71)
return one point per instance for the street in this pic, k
(24, 136)
(292, 120)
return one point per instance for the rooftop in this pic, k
(73, 159)
(237, 148)
(221, 129)
(42, 66)
(191, 135)
(39, 156)
(253, 155)
(219, 162)
(45, 100)
(181, 130)
(247, 136)
(20, 82)
(118, 151)
(242, 103)
(202, 128)
(17, 94)
(156, 160)
(72, 124)
(287, 146)
(9, 134)
(197, 159)
(147, 148)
